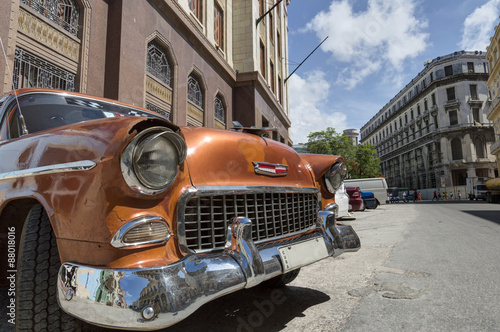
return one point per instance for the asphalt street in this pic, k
(425, 266)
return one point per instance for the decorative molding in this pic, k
(195, 113)
(48, 35)
(159, 90)
(219, 125)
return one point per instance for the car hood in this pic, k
(226, 158)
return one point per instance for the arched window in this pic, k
(195, 95)
(220, 110)
(479, 145)
(456, 149)
(64, 13)
(157, 63)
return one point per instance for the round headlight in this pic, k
(151, 161)
(155, 161)
(335, 176)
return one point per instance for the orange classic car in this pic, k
(114, 216)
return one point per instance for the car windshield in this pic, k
(481, 187)
(46, 111)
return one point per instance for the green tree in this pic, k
(361, 160)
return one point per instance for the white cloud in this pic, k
(309, 111)
(479, 25)
(383, 36)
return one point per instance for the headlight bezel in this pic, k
(335, 176)
(131, 154)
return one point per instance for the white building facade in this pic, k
(434, 134)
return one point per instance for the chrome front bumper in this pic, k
(154, 298)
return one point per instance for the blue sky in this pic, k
(374, 48)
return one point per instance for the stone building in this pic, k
(197, 62)
(434, 133)
(492, 55)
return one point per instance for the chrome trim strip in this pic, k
(222, 190)
(83, 165)
(117, 240)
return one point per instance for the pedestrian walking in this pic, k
(419, 196)
(459, 195)
(435, 196)
(415, 195)
(451, 195)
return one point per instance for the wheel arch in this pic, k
(13, 217)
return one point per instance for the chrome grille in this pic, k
(273, 215)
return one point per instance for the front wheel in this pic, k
(38, 267)
(281, 280)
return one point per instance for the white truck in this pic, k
(476, 188)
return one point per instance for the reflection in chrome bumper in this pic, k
(153, 298)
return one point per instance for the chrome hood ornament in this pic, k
(270, 169)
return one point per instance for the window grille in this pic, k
(195, 95)
(195, 6)
(64, 13)
(219, 26)
(220, 111)
(33, 72)
(157, 63)
(158, 110)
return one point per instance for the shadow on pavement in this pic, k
(255, 309)
(493, 216)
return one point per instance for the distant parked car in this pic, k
(369, 199)
(355, 199)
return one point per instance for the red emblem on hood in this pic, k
(270, 169)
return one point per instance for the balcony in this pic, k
(494, 149)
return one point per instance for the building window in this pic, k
(448, 70)
(433, 96)
(278, 44)
(456, 149)
(64, 13)
(280, 91)
(32, 72)
(220, 110)
(261, 7)
(195, 6)
(453, 118)
(479, 145)
(262, 60)
(157, 63)
(432, 77)
(271, 26)
(473, 92)
(271, 74)
(470, 67)
(219, 26)
(450, 93)
(195, 95)
(475, 115)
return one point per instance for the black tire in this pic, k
(38, 266)
(281, 280)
